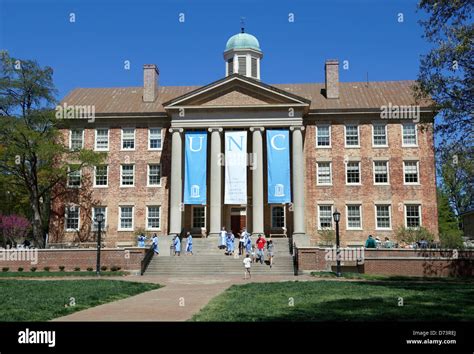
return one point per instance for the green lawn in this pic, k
(33, 300)
(59, 274)
(334, 300)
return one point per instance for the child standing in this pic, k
(247, 264)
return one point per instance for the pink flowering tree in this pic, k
(14, 228)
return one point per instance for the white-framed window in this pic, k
(324, 217)
(412, 215)
(99, 210)
(126, 217)
(353, 172)
(383, 217)
(278, 216)
(127, 175)
(155, 139)
(379, 135)
(352, 135)
(323, 136)
(354, 217)
(74, 177)
(324, 173)
(102, 139)
(199, 216)
(72, 218)
(101, 176)
(153, 217)
(381, 174)
(411, 172)
(76, 139)
(154, 175)
(128, 138)
(409, 134)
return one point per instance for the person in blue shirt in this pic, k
(141, 240)
(154, 242)
(177, 246)
(370, 243)
(189, 244)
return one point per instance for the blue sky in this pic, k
(91, 52)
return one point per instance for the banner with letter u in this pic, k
(195, 167)
(235, 190)
(278, 166)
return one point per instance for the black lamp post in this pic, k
(337, 217)
(99, 219)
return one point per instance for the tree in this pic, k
(32, 151)
(448, 224)
(446, 72)
(14, 228)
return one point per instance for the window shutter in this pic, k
(242, 65)
(254, 67)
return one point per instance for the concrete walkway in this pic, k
(178, 300)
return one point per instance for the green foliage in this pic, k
(410, 235)
(90, 269)
(327, 237)
(140, 231)
(20, 269)
(103, 268)
(47, 269)
(448, 224)
(77, 269)
(61, 268)
(5, 269)
(33, 269)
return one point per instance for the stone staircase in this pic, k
(208, 259)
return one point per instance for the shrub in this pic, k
(5, 269)
(90, 269)
(77, 269)
(46, 269)
(20, 269)
(411, 235)
(103, 268)
(327, 237)
(33, 269)
(61, 268)
(451, 239)
(114, 268)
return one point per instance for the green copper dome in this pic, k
(242, 41)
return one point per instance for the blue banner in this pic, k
(278, 166)
(195, 167)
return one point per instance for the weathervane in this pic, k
(242, 24)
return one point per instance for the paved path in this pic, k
(178, 300)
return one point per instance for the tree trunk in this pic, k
(38, 237)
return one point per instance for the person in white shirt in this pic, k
(247, 265)
(223, 239)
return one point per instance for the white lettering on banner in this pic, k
(191, 138)
(235, 191)
(273, 142)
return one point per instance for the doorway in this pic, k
(238, 219)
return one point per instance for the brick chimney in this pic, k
(150, 82)
(332, 78)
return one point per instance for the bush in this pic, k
(451, 239)
(103, 268)
(46, 269)
(327, 237)
(20, 269)
(115, 268)
(90, 269)
(77, 269)
(5, 269)
(33, 269)
(61, 268)
(411, 235)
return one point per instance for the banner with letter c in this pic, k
(278, 166)
(235, 190)
(195, 167)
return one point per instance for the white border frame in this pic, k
(319, 217)
(78, 218)
(95, 139)
(373, 136)
(148, 176)
(95, 175)
(120, 217)
(134, 139)
(388, 173)
(417, 172)
(149, 139)
(317, 173)
(405, 214)
(121, 175)
(360, 217)
(146, 218)
(358, 136)
(70, 138)
(360, 173)
(330, 136)
(389, 217)
(416, 134)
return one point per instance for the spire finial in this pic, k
(242, 24)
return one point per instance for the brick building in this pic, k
(365, 148)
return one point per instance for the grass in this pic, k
(349, 275)
(59, 274)
(342, 301)
(33, 300)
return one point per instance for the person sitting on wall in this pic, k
(387, 243)
(370, 243)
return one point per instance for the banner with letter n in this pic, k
(195, 167)
(278, 166)
(235, 188)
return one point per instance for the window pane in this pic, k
(352, 135)
(102, 139)
(413, 215)
(409, 134)
(381, 172)
(199, 219)
(411, 171)
(353, 216)
(74, 178)
(325, 216)
(126, 217)
(278, 217)
(76, 139)
(155, 138)
(353, 172)
(153, 221)
(127, 175)
(154, 175)
(383, 216)
(72, 217)
(128, 138)
(101, 175)
(324, 173)
(324, 138)
(380, 137)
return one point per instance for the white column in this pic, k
(176, 189)
(215, 180)
(257, 181)
(298, 174)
